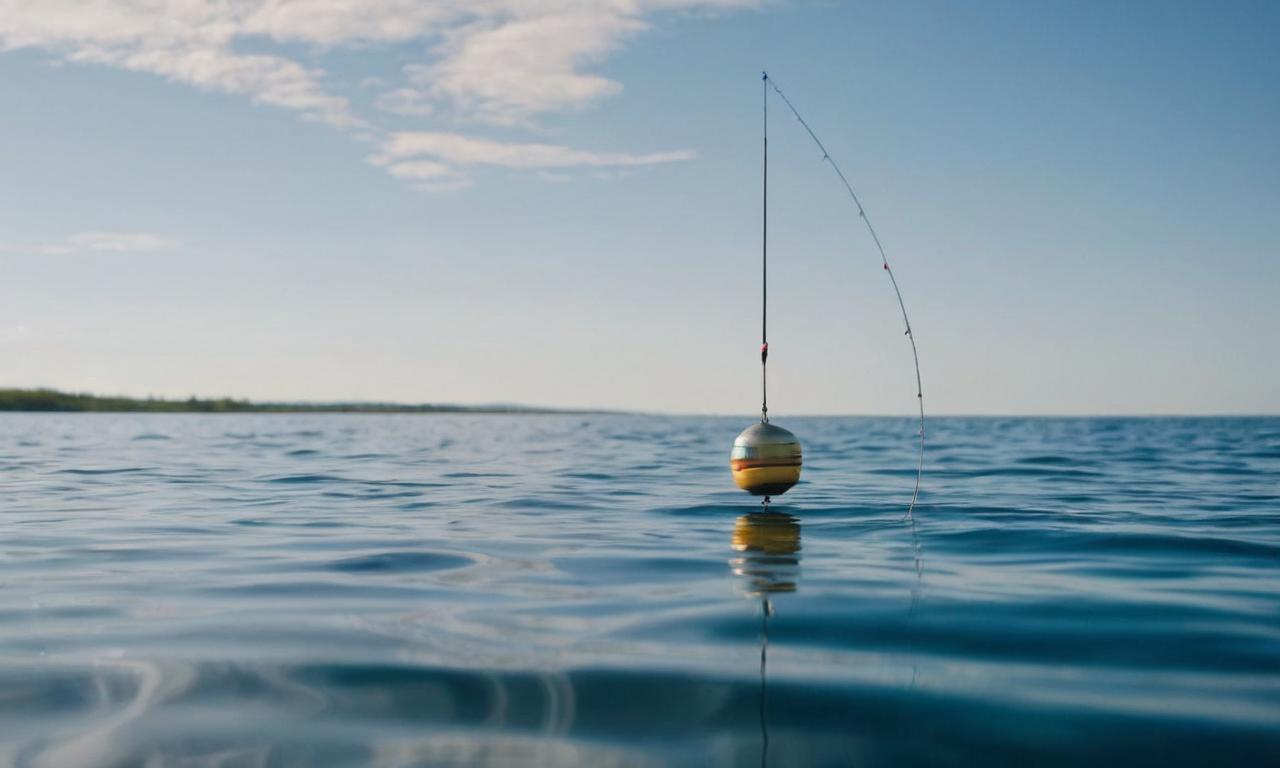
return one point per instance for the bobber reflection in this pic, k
(769, 544)
(765, 460)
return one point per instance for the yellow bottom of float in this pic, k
(766, 481)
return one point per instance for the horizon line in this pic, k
(512, 407)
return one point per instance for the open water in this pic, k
(273, 590)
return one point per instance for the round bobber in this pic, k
(765, 460)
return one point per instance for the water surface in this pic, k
(591, 590)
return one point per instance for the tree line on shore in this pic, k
(55, 400)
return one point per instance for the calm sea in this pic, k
(263, 590)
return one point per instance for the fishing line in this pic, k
(884, 260)
(764, 270)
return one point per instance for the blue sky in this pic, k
(558, 203)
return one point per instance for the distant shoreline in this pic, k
(54, 401)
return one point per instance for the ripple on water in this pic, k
(400, 562)
(304, 479)
(584, 717)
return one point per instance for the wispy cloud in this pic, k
(435, 160)
(501, 62)
(508, 71)
(188, 42)
(96, 242)
(462, 150)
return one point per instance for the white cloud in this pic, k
(408, 102)
(504, 62)
(340, 22)
(187, 41)
(446, 157)
(508, 72)
(420, 170)
(508, 61)
(428, 175)
(460, 150)
(96, 242)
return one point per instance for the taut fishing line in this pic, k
(884, 260)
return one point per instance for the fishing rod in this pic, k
(884, 261)
(766, 458)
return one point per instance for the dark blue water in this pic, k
(245, 590)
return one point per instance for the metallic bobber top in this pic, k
(765, 460)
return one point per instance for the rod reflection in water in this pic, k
(768, 564)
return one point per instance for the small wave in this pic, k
(1040, 471)
(640, 569)
(707, 510)
(373, 493)
(541, 503)
(1060, 544)
(305, 479)
(400, 562)
(1053, 461)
